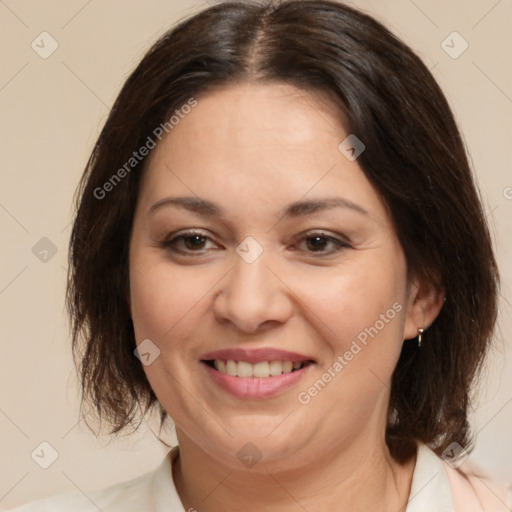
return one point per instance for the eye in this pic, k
(321, 243)
(189, 242)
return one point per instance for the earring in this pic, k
(421, 330)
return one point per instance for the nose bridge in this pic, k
(251, 295)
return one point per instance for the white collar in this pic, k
(165, 495)
(430, 488)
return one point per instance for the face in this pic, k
(265, 270)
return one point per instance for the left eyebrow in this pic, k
(301, 208)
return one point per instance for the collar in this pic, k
(430, 488)
(165, 495)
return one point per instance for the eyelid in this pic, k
(337, 237)
(171, 238)
(340, 241)
(187, 232)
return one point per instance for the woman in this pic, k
(279, 245)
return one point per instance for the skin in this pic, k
(253, 149)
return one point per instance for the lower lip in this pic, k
(256, 387)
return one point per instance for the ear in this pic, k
(424, 302)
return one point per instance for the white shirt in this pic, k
(435, 488)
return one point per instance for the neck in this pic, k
(361, 476)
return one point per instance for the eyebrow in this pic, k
(207, 208)
(203, 207)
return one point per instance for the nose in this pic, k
(253, 297)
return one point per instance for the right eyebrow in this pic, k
(202, 207)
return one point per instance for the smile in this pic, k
(263, 369)
(256, 373)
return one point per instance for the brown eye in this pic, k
(321, 244)
(194, 241)
(316, 243)
(189, 243)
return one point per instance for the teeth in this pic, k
(287, 366)
(244, 369)
(231, 367)
(276, 368)
(220, 365)
(262, 370)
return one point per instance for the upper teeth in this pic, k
(262, 369)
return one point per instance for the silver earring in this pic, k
(420, 333)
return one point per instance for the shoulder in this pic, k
(444, 486)
(473, 490)
(133, 495)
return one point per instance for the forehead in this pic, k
(251, 115)
(256, 142)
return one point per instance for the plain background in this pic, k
(52, 110)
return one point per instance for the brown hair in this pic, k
(414, 157)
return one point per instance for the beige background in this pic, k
(52, 110)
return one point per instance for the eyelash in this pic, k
(170, 243)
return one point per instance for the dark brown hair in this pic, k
(414, 157)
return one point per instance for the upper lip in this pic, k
(255, 355)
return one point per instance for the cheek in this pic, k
(163, 298)
(360, 312)
(364, 299)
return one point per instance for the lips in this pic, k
(258, 373)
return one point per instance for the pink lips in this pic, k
(255, 387)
